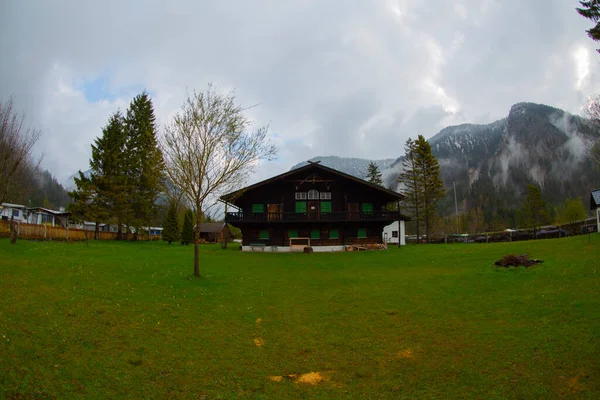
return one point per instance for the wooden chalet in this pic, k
(314, 206)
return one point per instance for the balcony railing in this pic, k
(307, 217)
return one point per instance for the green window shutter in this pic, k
(362, 233)
(334, 234)
(264, 234)
(293, 233)
(326, 206)
(300, 206)
(258, 208)
(367, 207)
(315, 234)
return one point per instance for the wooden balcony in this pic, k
(384, 216)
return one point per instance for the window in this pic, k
(367, 207)
(395, 234)
(46, 219)
(300, 206)
(300, 195)
(334, 234)
(15, 213)
(264, 234)
(325, 195)
(362, 233)
(258, 208)
(313, 194)
(325, 206)
(293, 233)
(315, 234)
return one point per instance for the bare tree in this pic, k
(210, 148)
(592, 113)
(16, 145)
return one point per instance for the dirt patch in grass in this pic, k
(408, 353)
(309, 378)
(259, 342)
(574, 384)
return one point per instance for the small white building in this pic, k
(45, 216)
(10, 211)
(394, 234)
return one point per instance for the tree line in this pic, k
(22, 181)
(423, 189)
(126, 172)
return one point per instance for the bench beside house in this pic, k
(321, 205)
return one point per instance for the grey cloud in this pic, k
(348, 80)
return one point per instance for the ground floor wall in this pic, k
(324, 234)
(395, 233)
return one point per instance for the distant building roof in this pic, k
(595, 199)
(211, 227)
(13, 205)
(49, 211)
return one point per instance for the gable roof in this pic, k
(211, 227)
(309, 166)
(595, 199)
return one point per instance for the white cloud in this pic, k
(328, 78)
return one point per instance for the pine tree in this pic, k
(109, 170)
(145, 161)
(86, 204)
(535, 210)
(591, 10)
(421, 181)
(373, 174)
(170, 231)
(432, 187)
(187, 234)
(409, 178)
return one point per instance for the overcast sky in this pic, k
(346, 78)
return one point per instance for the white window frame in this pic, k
(300, 195)
(313, 194)
(325, 195)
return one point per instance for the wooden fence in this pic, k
(46, 232)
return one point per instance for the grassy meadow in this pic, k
(126, 320)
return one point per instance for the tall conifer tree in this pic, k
(590, 9)
(187, 234)
(109, 170)
(409, 178)
(145, 161)
(432, 187)
(170, 231)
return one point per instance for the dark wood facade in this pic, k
(327, 206)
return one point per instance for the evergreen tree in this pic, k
(421, 181)
(409, 178)
(109, 170)
(170, 231)
(535, 210)
(432, 187)
(187, 234)
(145, 161)
(373, 174)
(86, 204)
(591, 10)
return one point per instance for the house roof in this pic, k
(311, 165)
(49, 211)
(211, 227)
(595, 199)
(10, 205)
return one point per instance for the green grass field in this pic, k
(126, 320)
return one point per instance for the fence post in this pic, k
(45, 230)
